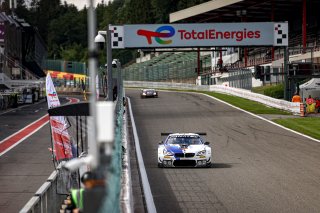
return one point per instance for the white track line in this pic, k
(144, 178)
(257, 116)
(25, 137)
(31, 133)
(23, 129)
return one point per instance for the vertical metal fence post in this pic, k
(285, 71)
(109, 66)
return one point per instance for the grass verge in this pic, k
(248, 105)
(245, 104)
(308, 126)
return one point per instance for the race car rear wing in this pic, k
(168, 133)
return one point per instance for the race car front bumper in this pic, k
(166, 162)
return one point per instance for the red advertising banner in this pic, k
(61, 138)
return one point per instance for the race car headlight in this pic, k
(144, 93)
(202, 152)
(154, 93)
(166, 152)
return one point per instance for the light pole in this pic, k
(116, 63)
(101, 39)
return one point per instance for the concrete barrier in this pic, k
(266, 100)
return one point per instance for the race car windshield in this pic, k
(184, 140)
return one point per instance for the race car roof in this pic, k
(148, 89)
(183, 134)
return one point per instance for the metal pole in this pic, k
(285, 72)
(93, 64)
(304, 25)
(119, 78)
(109, 66)
(272, 19)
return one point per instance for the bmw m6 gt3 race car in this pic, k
(184, 150)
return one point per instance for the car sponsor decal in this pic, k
(173, 148)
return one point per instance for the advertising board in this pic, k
(200, 35)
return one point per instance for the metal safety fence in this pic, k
(240, 78)
(46, 199)
(111, 203)
(50, 196)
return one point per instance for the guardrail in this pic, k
(166, 85)
(269, 101)
(46, 198)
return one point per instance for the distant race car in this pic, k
(184, 150)
(148, 93)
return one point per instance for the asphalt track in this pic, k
(24, 168)
(258, 167)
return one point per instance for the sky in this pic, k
(80, 3)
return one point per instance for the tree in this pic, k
(68, 29)
(64, 27)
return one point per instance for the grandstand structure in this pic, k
(171, 66)
(303, 50)
(22, 51)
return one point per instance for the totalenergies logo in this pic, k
(161, 32)
(54, 94)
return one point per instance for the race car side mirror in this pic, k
(206, 143)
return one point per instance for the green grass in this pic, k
(261, 89)
(308, 126)
(248, 105)
(275, 91)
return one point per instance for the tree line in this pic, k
(64, 28)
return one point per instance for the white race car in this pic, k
(184, 150)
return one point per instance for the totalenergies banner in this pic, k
(200, 35)
(60, 135)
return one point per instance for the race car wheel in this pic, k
(160, 165)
